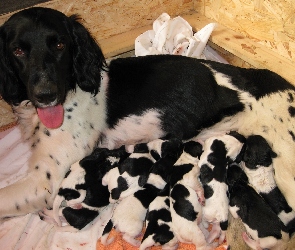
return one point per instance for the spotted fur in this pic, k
(218, 152)
(132, 100)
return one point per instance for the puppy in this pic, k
(264, 228)
(259, 169)
(130, 175)
(186, 197)
(186, 169)
(158, 223)
(139, 168)
(162, 169)
(82, 194)
(218, 151)
(130, 213)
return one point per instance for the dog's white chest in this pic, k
(133, 129)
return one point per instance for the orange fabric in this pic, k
(120, 244)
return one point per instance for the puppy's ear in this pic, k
(88, 59)
(11, 88)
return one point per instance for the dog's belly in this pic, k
(133, 129)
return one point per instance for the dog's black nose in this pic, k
(45, 97)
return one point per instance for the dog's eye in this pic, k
(60, 46)
(18, 52)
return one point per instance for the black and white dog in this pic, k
(67, 100)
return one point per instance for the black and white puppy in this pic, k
(140, 168)
(187, 197)
(159, 223)
(130, 213)
(264, 229)
(162, 169)
(257, 164)
(218, 152)
(82, 194)
(67, 99)
(130, 175)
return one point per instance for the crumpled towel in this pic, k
(175, 37)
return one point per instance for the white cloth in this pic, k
(175, 36)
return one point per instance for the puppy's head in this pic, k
(257, 152)
(44, 54)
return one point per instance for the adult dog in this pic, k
(67, 100)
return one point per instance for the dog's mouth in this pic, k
(52, 116)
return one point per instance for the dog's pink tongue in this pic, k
(51, 117)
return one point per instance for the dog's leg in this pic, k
(46, 172)
(29, 194)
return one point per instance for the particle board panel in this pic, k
(111, 17)
(238, 49)
(270, 23)
(245, 48)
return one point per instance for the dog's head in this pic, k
(44, 54)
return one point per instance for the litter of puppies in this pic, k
(176, 189)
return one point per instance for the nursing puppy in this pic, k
(162, 169)
(130, 213)
(257, 164)
(82, 194)
(264, 229)
(130, 175)
(187, 197)
(67, 99)
(159, 223)
(218, 152)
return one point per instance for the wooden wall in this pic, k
(269, 26)
(270, 23)
(106, 18)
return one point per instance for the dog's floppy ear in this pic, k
(88, 58)
(12, 89)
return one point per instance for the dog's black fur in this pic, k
(50, 59)
(44, 54)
